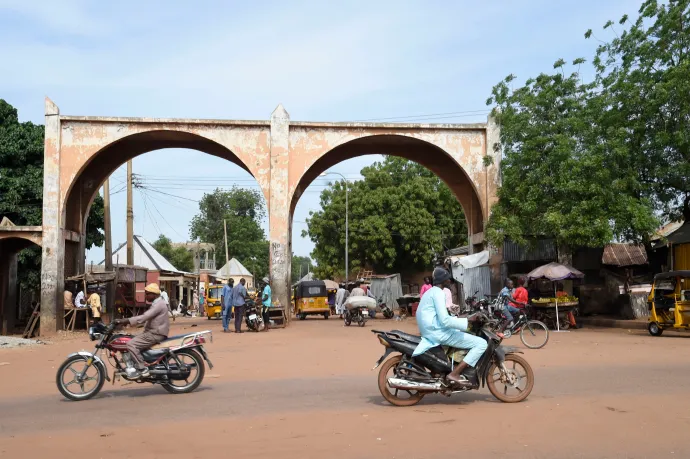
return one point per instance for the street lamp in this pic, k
(347, 226)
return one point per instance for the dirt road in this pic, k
(307, 391)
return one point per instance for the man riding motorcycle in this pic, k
(155, 331)
(437, 327)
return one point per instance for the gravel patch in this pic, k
(11, 341)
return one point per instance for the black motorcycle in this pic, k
(252, 315)
(359, 315)
(404, 380)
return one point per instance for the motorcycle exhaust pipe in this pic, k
(398, 383)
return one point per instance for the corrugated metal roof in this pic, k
(144, 255)
(540, 250)
(233, 268)
(624, 255)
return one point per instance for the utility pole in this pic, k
(110, 289)
(130, 216)
(225, 229)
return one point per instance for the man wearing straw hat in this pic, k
(156, 329)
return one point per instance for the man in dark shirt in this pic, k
(239, 296)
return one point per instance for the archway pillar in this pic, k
(279, 209)
(53, 247)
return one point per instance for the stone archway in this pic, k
(283, 156)
(12, 241)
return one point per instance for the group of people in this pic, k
(342, 294)
(81, 301)
(234, 298)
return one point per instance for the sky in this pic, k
(324, 61)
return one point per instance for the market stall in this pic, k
(549, 310)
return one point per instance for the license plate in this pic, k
(365, 313)
(252, 316)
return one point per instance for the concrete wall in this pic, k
(283, 156)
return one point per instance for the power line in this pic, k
(164, 219)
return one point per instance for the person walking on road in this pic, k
(226, 301)
(266, 302)
(340, 297)
(239, 297)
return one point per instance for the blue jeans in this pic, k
(227, 312)
(509, 310)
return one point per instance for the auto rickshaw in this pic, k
(311, 298)
(214, 306)
(669, 302)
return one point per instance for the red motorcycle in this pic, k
(177, 363)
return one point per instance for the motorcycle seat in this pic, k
(154, 354)
(416, 339)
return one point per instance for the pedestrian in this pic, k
(202, 302)
(427, 285)
(266, 302)
(340, 297)
(239, 295)
(164, 296)
(195, 303)
(80, 300)
(68, 300)
(95, 305)
(226, 301)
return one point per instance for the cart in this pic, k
(546, 312)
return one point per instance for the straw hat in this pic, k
(153, 288)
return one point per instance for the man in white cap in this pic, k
(156, 329)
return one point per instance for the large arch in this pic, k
(420, 151)
(84, 186)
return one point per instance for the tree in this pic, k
(179, 257)
(643, 76)
(298, 267)
(400, 214)
(243, 209)
(21, 189)
(561, 178)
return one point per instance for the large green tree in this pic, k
(643, 75)
(21, 188)
(179, 257)
(300, 266)
(243, 209)
(400, 214)
(561, 177)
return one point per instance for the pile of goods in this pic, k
(563, 299)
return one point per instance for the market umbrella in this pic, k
(555, 272)
(331, 285)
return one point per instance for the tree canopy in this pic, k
(243, 209)
(400, 213)
(179, 257)
(589, 163)
(300, 266)
(21, 188)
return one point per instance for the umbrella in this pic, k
(331, 285)
(555, 272)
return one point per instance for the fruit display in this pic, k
(563, 299)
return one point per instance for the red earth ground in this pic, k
(308, 391)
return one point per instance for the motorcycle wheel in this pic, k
(499, 389)
(388, 314)
(362, 322)
(188, 357)
(70, 368)
(348, 319)
(397, 397)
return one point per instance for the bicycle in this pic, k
(534, 334)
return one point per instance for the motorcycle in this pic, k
(386, 310)
(178, 366)
(252, 316)
(360, 315)
(404, 380)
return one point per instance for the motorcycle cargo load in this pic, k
(360, 302)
